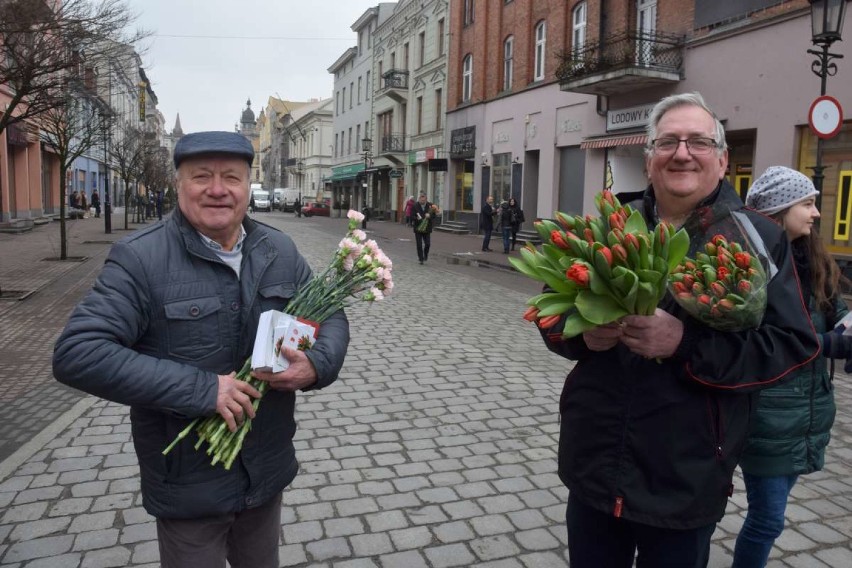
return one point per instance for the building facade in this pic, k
(310, 133)
(352, 179)
(549, 100)
(749, 60)
(510, 130)
(410, 70)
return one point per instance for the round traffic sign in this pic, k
(825, 117)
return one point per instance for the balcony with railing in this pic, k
(394, 84)
(392, 146)
(623, 62)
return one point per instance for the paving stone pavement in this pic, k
(436, 447)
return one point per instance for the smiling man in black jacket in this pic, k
(655, 412)
(172, 315)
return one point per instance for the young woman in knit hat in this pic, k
(792, 423)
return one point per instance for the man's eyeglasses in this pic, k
(697, 146)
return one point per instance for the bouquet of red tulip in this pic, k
(599, 269)
(723, 284)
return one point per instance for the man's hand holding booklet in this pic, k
(275, 332)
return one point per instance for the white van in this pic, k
(285, 197)
(261, 200)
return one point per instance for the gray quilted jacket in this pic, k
(165, 317)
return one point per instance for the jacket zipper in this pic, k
(716, 428)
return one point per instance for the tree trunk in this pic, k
(126, 203)
(63, 201)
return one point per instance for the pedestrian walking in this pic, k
(504, 215)
(297, 208)
(792, 424)
(84, 206)
(171, 352)
(409, 207)
(486, 222)
(96, 202)
(516, 219)
(159, 205)
(423, 217)
(655, 413)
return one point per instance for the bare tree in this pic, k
(128, 156)
(156, 172)
(42, 41)
(72, 129)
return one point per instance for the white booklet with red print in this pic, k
(275, 331)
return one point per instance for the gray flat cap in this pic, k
(213, 142)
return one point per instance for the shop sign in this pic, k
(463, 142)
(396, 173)
(631, 117)
(421, 156)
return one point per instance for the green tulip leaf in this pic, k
(646, 299)
(678, 246)
(598, 309)
(635, 223)
(525, 269)
(575, 325)
(651, 276)
(553, 254)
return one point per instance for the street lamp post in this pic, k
(107, 125)
(826, 28)
(367, 145)
(300, 166)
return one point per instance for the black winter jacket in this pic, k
(657, 442)
(165, 317)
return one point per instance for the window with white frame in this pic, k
(540, 43)
(508, 55)
(467, 77)
(578, 30)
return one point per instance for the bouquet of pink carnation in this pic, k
(359, 270)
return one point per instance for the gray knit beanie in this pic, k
(779, 188)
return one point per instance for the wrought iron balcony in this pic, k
(623, 62)
(393, 143)
(395, 84)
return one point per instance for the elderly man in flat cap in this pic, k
(171, 317)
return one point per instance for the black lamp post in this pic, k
(826, 28)
(367, 146)
(107, 125)
(300, 166)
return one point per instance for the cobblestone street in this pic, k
(435, 448)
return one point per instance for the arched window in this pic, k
(467, 77)
(540, 41)
(578, 29)
(508, 55)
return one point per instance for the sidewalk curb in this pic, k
(25, 452)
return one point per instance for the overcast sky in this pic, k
(208, 56)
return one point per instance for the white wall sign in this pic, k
(631, 117)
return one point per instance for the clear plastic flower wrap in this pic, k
(723, 279)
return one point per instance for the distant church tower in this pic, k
(248, 128)
(177, 131)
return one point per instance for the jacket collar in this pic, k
(193, 242)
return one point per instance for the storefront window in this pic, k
(501, 177)
(464, 186)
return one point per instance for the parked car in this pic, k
(261, 200)
(314, 208)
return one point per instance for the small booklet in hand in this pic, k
(275, 331)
